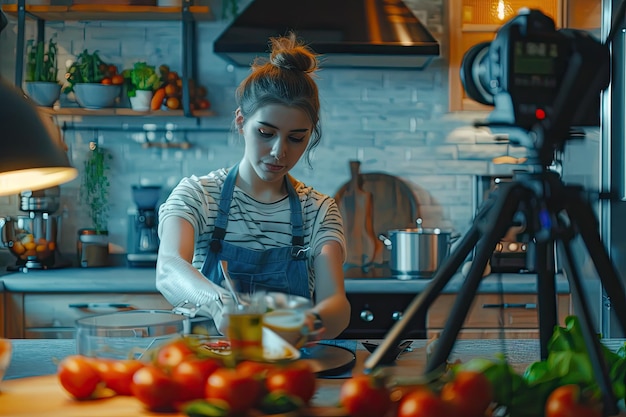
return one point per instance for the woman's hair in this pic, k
(286, 79)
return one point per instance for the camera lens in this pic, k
(475, 73)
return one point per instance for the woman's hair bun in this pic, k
(289, 53)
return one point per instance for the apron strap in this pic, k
(221, 222)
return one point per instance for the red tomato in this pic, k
(570, 401)
(295, 378)
(254, 369)
(470, 393)
(172, 353)
(154, 388)
(422, 402)
(239, 391)
(365, 396)
(78, 377)
(117, 374)
(106, 81)
(191, 375)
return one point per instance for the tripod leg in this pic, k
(546, 293)
(500, 221)
(591, 340)
(418, 307)
(584, 219)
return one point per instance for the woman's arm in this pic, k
(176, 278)
(331, 302)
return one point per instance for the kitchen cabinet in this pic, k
(492, 316)
(188, 15)
(52, 316)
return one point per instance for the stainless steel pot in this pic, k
(418, 251)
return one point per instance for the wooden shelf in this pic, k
(78, 111)
(79, 12)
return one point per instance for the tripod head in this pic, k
(541, 81)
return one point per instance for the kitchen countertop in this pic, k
(142, 280)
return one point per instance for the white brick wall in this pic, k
(394, 121)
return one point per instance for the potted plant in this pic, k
(42, 85)
(94, 195)
(95, 83)
(141, 81)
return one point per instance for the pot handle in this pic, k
(385, 241)
(3, 239)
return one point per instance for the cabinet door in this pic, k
(54, 315)
(495, 315)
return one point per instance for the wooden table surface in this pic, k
(42, 394)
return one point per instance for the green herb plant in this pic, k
(94, 186)
(568, 362)
(88, 68)
(41, 62)
(141, 77)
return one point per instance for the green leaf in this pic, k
(204, 408)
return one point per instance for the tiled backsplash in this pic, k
(393, 121)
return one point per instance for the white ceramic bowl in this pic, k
(96, 96)
(43, 93)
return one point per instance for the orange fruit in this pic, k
(171, 90)
(172, 103)
(106, 80)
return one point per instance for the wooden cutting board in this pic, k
(394, 205)
(43, 396)
(356, 207)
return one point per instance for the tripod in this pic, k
(554, 212)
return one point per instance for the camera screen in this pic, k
(535, 58)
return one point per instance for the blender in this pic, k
(143, 240)
(32, 237)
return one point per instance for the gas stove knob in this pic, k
(367, 315)
(396, 315)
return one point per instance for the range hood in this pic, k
(347, 33)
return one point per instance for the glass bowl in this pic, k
(128, 334)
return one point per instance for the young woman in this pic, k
(276, 233)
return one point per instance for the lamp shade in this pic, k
(30, 157)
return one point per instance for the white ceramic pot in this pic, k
(141, 100)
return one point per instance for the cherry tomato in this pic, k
(106, 81)
(295, 378)
(172, 353)
(470, 393)
(422, 402)
(78, 376)
(240, 392)
(154, 388)
(191, 375)
(365, 396)
(117, 374)
(571, 401)
(117, 79)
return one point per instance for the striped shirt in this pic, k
(251, 223)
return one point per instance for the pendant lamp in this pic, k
(31, 158)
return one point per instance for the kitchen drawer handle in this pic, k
(92, 307)
(528, 306)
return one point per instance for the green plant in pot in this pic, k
(141, 82)
(41, 81)
(93, 242)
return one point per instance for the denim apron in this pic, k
(275, 269)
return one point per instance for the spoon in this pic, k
(230, 286)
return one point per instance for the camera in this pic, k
(533, 74)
